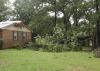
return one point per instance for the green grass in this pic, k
(28, 60)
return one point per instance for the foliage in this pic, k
(58, 42)
(27, 9)
(58, 35)
(17, 46)
(3, 10)
(44, 23)
(1, 43)
(76, 25)
(28, 45)
(31, 45)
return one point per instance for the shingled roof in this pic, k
(7, 23)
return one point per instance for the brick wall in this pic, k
(8, 38)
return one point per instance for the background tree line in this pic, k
(76, 28)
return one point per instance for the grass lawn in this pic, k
(28, 60)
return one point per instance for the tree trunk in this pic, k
(97, 50)
(97, 26)
(55, 14)
(65, 20)
(94, 40)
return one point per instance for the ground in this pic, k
(28, 60)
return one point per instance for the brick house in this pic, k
(12, 32)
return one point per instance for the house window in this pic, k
(15, 35)
(24, 36)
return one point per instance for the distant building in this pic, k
(12, 32)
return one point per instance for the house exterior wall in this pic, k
(7, 38)
(8, 41)
(7, 35)
(29, 36)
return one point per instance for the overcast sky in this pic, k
(11, 4)
(12, 1)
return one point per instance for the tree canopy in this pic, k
(80, 18)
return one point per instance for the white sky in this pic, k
(12, 1)
(60, 14)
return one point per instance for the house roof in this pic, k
(7, 23)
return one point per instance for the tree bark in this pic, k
(97, 26)
(55, 13)
(97, 50)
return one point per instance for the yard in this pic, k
(28, 60)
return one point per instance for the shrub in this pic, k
(55, 48)
(17, 46)
(61, 40)
(48, 48)
(1, 43)
(51, 44)
(66, 47)
(33, 46)
(29, 45)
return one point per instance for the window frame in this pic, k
(15, 35)
(24, 35)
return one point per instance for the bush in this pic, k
(17, 46)
(66, 47)
(32, 46)
(1, 43)
(51, 43)
(29, 45)
(55, 48)
(61, 40)
(48, 48)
